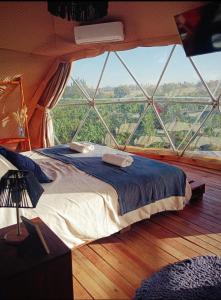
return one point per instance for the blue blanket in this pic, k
(142, 183)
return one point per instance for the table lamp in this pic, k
(19, 189)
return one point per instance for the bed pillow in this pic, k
(5, 166)
(25, 163)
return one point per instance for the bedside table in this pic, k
(26, 275)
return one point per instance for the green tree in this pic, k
(121, 91)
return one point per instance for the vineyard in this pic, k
(121, 108)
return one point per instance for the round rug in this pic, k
(191, 279)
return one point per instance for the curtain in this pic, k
(40, 124)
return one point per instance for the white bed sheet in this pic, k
(80, 208)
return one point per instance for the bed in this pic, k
(81, 208)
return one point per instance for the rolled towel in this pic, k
(80, 147)
(120, 160)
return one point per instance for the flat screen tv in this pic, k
(200, 29)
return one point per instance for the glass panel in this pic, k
(181, 99)
(87, 71)
(180, 118)
(117, 82)
(121, 119)
(209, 68)
(108, 141)
(180, 81)
(150, 133)
(208, 141)
(146, 64)
(92, 130)
(73, 94)
(66, 119)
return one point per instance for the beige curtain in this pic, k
(40, 125)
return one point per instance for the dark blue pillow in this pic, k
(22, 162)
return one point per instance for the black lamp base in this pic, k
(12, 237)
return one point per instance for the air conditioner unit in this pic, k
(99, 33)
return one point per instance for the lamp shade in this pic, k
(19, 189)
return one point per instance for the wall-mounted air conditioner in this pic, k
(99, 33)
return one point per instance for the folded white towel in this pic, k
(120, 160)
(81, 147)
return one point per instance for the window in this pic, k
(151, 97)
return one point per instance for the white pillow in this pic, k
(5, 165)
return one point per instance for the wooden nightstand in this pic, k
(24, 274)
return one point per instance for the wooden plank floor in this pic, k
(113, 267)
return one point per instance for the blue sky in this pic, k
(146, 64)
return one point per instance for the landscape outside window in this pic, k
(152, 97)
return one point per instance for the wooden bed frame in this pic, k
(198, 189)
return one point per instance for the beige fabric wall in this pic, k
(33, 42)
(29, 27)
(146, 23)
(33, 69)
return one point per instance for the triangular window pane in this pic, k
(146, 64)
(180, 119)
(87, 71)
(208, 140)
(116, 82)
(121, 119)
(66, 119)
(73, 93)
(209, 68)
(92, 130)
(150, 134)
(180, 81)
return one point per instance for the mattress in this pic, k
(80, 208)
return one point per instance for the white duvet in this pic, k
(80, 208)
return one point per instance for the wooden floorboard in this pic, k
(113, 267)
